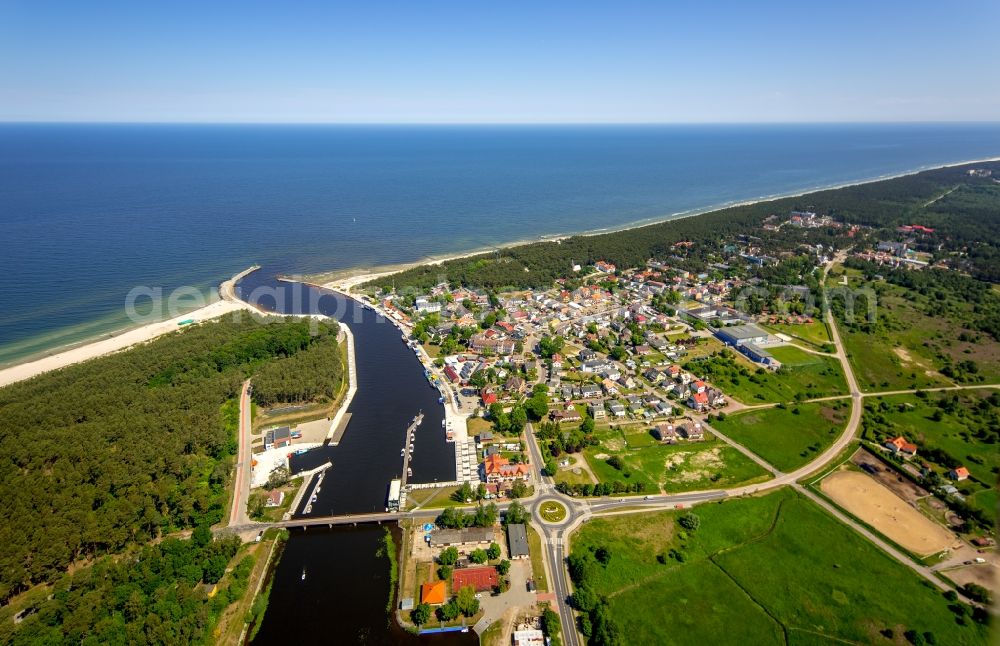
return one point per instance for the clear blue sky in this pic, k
(499, 61)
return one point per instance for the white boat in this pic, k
(303, 574)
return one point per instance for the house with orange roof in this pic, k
(899, 445)
(959, 474)
(433, 593)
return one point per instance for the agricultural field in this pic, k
(686, 466)
(787, 437)
(803, 375)
(913, 338)
(669, 585)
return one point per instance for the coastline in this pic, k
(127, 338)
(347, 279)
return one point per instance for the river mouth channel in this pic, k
(332, 586)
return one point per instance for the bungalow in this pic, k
(275, 498)
(959, 474)
(899, 445)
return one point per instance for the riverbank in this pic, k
(346, 280)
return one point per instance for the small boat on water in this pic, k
(303, 574)
(402, 452)
(409, 471)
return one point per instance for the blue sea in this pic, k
(88, 212)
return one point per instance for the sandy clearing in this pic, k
(889, 514)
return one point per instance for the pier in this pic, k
(407, 450)
(342, 418)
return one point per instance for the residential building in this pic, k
(899, 446)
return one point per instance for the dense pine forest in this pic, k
(126, 448)
(161, 595)
(968, 219)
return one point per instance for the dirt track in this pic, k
(889, 514)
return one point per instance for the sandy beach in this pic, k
(347, 279)
(126, 339)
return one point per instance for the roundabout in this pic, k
(552, 511)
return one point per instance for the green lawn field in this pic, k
(770, 570)
(790, 437)
(681, 467)
(803, 375)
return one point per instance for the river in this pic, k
(343, 596)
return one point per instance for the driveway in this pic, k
(517, 596)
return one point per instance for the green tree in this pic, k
(467, 602)
(550, 622)
(690, 521)
(503, 567)
(448, 556)
(493, 552)
(421, 614)
(478, 556)
(516, 514)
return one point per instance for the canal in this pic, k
(343, 596)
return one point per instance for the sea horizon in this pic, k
(126, 168)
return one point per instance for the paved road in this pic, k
(241, 492)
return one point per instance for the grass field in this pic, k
(913, 339)
(680, 467)
(802, 374)
(769, 570)
(784, 438)
(813, 334)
